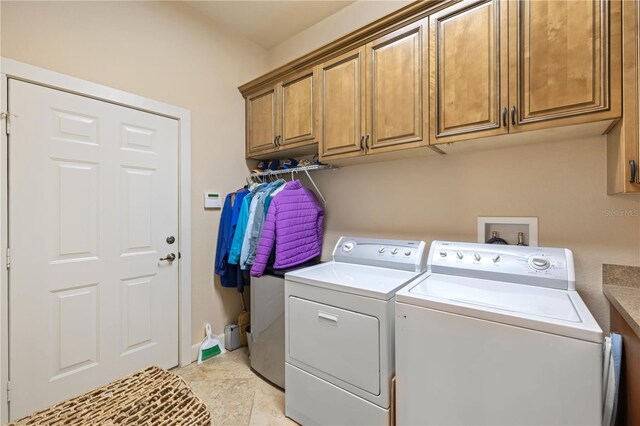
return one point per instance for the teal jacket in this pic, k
(241, 227)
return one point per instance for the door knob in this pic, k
(171, 239)
(170, 257)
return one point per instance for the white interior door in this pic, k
(93, 196)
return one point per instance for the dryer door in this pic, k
(338, 342)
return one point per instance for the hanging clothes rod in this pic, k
(305, 169)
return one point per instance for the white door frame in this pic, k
(21, 71)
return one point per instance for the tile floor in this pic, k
(234, 394)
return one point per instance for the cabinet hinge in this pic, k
(8, 257)
(8, 391)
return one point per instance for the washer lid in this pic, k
(370, 281)
(555, 311)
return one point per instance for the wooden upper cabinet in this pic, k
(298, 109)
(282, 117)
(396, 95)
(468, 68)
(341, 115)
(623, 141)
(564, 62)
(261, 121)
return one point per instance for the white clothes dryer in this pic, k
(339, 331)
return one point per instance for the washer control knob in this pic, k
(407, 252)
(477, 256)
(347, 247)
(496, 258)
(460, 255)
(539, 262)
(394, 250)
(443, 254)
(381, 249)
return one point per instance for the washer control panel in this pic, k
(396, 254)
(538, 266)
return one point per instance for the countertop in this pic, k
(621, 285)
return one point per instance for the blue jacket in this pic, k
(228, 221)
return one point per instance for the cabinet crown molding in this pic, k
(406, 15)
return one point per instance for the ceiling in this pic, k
(268, 23)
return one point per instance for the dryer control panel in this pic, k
(394, 254)
(536, 266)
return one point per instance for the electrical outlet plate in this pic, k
(508, 228)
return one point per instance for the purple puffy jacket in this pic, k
(294, 224)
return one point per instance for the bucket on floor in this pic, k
(232, 337)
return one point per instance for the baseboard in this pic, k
(196, 347)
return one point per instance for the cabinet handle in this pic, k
(513, 115)
(278, 139)
(504, 117)
(366, 141)
(633, 170)
(362, 143)
(275, 138)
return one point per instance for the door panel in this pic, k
(341, 97)
(261, 121)
(395, 77)
(560, 63)
(468, 67)
(298, 117)
(93, 195)
(76, 346)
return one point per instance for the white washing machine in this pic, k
(339, 331)
(497, 335)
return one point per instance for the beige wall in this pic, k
(166, 52)
(562, 182)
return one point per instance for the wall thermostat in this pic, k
(212, 200)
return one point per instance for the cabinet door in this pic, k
(468, 68)
(623, 141)
(396, 88)
(298, 117)
(341, 98)
(261, 121)
(564, 62)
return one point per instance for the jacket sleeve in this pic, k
(267, 240)
(223, 238)
(320, 220)
(320, 226)
(238, 236)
